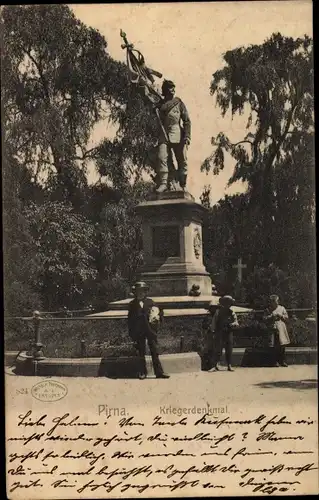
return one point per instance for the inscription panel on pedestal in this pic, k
(166, 241)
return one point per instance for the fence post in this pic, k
(83, 349)
(68, 314)
(181, 345)
(37, 351)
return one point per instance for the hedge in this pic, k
(63, 338)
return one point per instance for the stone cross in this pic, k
(239, 266)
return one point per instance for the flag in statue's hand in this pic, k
(139, 74)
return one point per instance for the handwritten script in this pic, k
(67, 454)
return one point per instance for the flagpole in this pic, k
(162, 126)
(129, 47)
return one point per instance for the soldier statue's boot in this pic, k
(182, 180)
(162, 184)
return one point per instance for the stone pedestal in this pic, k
(172, 245)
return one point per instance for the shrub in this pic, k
(63, 338)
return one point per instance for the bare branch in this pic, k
(86, 154)
(39, 68)
(242, 142)
(22, 146)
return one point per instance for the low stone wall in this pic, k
(127, 366)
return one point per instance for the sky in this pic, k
(186, 43)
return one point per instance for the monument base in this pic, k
(161, 284)
(172, 245)
(175, 306)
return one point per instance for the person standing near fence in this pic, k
(225, 321)
(206, 346)
(219, 334)
(275, 318)
(143, 322)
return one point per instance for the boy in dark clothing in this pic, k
(225, 320)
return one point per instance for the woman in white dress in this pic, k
(276, 317)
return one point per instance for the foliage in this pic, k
(130, 154)
(58, 83)
(230, 232)
(275, 81)
(271, 226)
(205, 197)
(21, 267)
(295, 291)
(117, 247)
(66, 243)
(63, 338)
(271, 84)
(63, 242)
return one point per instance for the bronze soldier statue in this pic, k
(173, 119)
(172, 112)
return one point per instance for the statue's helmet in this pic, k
(167, 85)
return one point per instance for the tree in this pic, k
(230, 231)
(57, 83)
(63, 241)
(272, 84)
(205, 197)
(132, 153)
(297, 290)
(21, 268)
(118, 244)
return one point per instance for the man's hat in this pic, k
(168, 84)
(227, 300)
(139, 285)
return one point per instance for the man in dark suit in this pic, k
(143, 320)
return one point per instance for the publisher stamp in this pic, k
(49, 391)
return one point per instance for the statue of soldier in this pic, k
(174, 122)
(175, 138)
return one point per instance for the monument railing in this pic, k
(41, 317)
